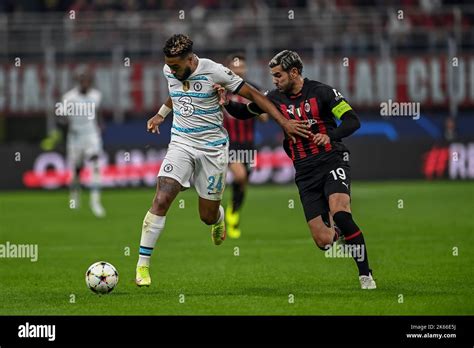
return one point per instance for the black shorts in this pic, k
(246, 146)
(318, 178)
(234, 145)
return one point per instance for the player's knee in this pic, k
(240, 177)
(323, 242)
(322, 236)
(337, 205)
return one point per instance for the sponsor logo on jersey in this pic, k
(291, 109)
(186, 86)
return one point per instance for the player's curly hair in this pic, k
(287, 59)
(179, 45)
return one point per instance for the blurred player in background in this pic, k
(321, 162)
(83, 142)
(241, 135)
(199, 143)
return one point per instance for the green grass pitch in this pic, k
(410, 250)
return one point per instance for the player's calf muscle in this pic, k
(208, 211)
(322, 235)
(209, 218)
(339, 202)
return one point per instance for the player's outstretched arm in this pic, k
(292, 128)
(154, 123)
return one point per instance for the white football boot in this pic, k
(367, 282)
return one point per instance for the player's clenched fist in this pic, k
(154, 123)
(321, 139)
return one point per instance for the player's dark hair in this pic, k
(288, 60)
(179, 45)
(232, 57)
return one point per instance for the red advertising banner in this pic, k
(431, 80)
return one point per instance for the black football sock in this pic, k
(238, 193)
(353, 236)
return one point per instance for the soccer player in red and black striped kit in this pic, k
(241, 135)
(321, 161)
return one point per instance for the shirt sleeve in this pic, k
(227, 79)
(335, 102)
(350, 123)
(98, 96)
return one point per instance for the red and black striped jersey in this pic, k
(317, 103)
(240, 131)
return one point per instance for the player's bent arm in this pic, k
(166, 108)
(262, 102)
(263, 117)
(154, 123)
(169, 102)
(100, 120)
(242, 111)
(291, 127)
(350, 123)
(237, 109)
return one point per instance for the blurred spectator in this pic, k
(398, 28)
(450, 129)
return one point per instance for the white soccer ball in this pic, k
(102, 277)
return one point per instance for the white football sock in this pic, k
(221, 215)
(95, 196)
(95, 185)
(74, 190)
(96, 180)
(151, 230)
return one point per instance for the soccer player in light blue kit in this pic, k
(199, 142)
